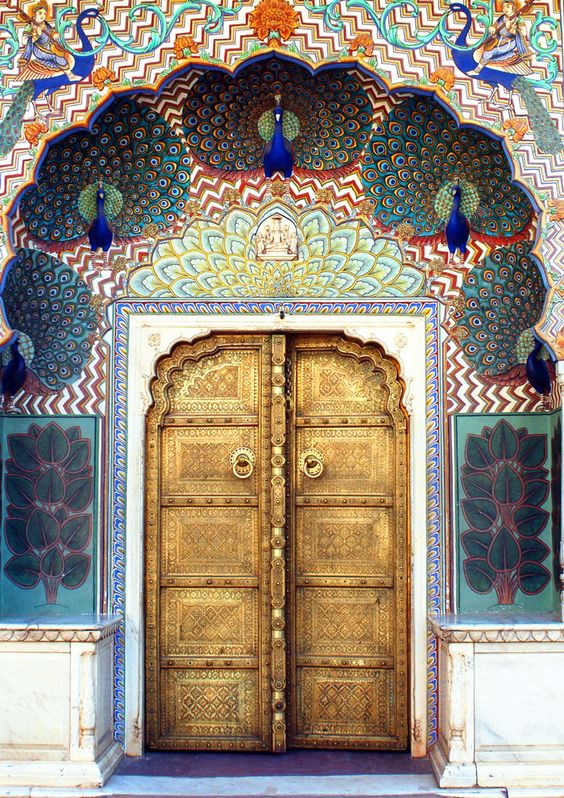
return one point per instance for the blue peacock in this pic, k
(48, 306)
(100, 233)
(327, 118)
(30, 90)
(457, 229)
(278, 153)
(417, 156)
(13, 375)
(132, 155)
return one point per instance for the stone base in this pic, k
(61, 774)
(501, 709)
(521, 774)
(56, 702)
(451, 774)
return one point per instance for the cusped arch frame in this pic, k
(194, 62)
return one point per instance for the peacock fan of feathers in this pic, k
(135, 153)
(327, 117)
(504, 299)
(11, 125)
(418, 153)
(49, 305)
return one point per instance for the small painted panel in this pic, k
(48, 549)
(506, 545)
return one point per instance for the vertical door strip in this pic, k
(278, 543)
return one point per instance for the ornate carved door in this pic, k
(348, 548)
(208, 547)
(241, 430)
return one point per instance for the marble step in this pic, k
(342, 786)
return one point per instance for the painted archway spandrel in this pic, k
(143, 60)
(423, 46)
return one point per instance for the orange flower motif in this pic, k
(556, 209)
(519, 125)
(435, 267)
(446, 74)
(231, 196)
(558, 346)
(277, 188)
(365, 208)
(363, 43)
(33, 130)
(405, 231)
(324, 196)
(102, 76)
(274, 21)
(183, 46)
(192, 208)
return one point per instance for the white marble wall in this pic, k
(501, 720)
(56, 705)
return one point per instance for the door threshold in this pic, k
(355, 786)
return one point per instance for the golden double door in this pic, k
(276, 546)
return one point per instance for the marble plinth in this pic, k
(56, 702)
(501, 706)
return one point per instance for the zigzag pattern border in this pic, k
(429, 309)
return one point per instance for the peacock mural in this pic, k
(228, 119)
(418, 154)
(132, 154)
(49, 308)
(510, 71)
(504, 299)
(414, 166)
(47, 81)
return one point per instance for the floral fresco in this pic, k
(49, 548)
(505, 501)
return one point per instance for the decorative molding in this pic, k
(479, 632)
(15, 633)
(170, 312)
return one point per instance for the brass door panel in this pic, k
(347, 540)
(208, 547)
(276, 537)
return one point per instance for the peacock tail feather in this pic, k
(11, 125)
(416, 155)
(329, 116)
(132, 149)
(546, 133)
(49, 305)
(504, 298)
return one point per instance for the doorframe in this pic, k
(143, 331)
